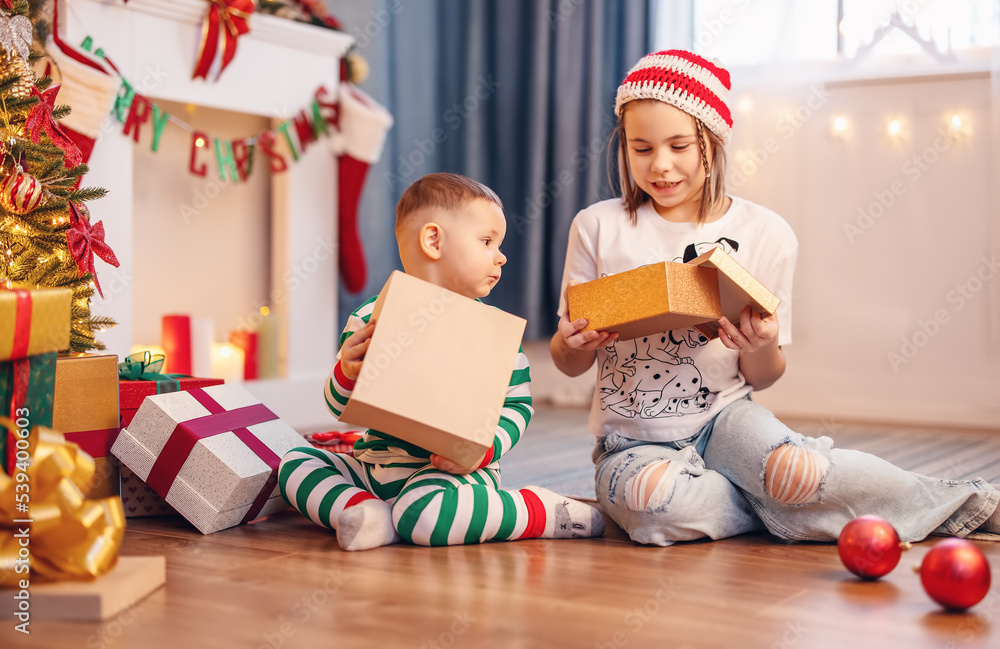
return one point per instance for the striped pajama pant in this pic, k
(429, 507)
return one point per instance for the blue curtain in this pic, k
(517, 94)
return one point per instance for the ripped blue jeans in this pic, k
(746, 471)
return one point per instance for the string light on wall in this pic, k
(840, 127)
(956, 125)
(895, 129)
(745, 104)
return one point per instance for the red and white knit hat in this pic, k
(685, 80)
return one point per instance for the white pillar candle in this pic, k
(202, 336)
(227, 362)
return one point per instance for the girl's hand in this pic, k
(583, 341)
(352, 353)
(754, 333)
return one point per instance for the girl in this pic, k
(682, 451)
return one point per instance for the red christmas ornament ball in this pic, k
(20, 192)
(869, 547)
(955, 574)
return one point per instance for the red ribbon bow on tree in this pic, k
(40, 119)
(86, 240)
(234, 14)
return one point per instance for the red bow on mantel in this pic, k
(234, 14)
(86, 240)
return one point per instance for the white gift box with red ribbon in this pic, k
(212, 453)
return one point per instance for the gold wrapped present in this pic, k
(85, 409)
(648, 300)
(737, 289)
(33, 321)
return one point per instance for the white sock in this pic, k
(366, 525)
(566, 518)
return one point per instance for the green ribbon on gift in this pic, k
(147, 366)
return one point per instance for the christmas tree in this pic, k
(46, 238)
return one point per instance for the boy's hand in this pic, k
(753, 333)
(352, 353)
(583, 341)
(442, 463)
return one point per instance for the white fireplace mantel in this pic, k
(277, 68)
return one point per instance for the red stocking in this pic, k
(363, 127)
(89, 92)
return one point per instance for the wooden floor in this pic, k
(283, 582)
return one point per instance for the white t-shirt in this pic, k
(666, 387)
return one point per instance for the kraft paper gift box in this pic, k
(212, 453)
(437, 369)
(27, 386)
(131, 580)
(647, 300)
(85, 410)
(33, 321)
(737, 289)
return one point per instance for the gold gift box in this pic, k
(737, 289)
(648, 300)
(50, 319)
(85, 410)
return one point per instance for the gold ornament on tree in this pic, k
(14, 65)
(20, 192)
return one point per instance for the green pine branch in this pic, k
(33, 246)
(86, 194)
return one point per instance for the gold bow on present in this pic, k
(54, 529)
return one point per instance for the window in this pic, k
(907, 26)
(754, 32)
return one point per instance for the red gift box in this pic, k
(131, 393)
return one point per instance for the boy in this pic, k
(448, 229)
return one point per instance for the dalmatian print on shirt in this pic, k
(652, 377)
